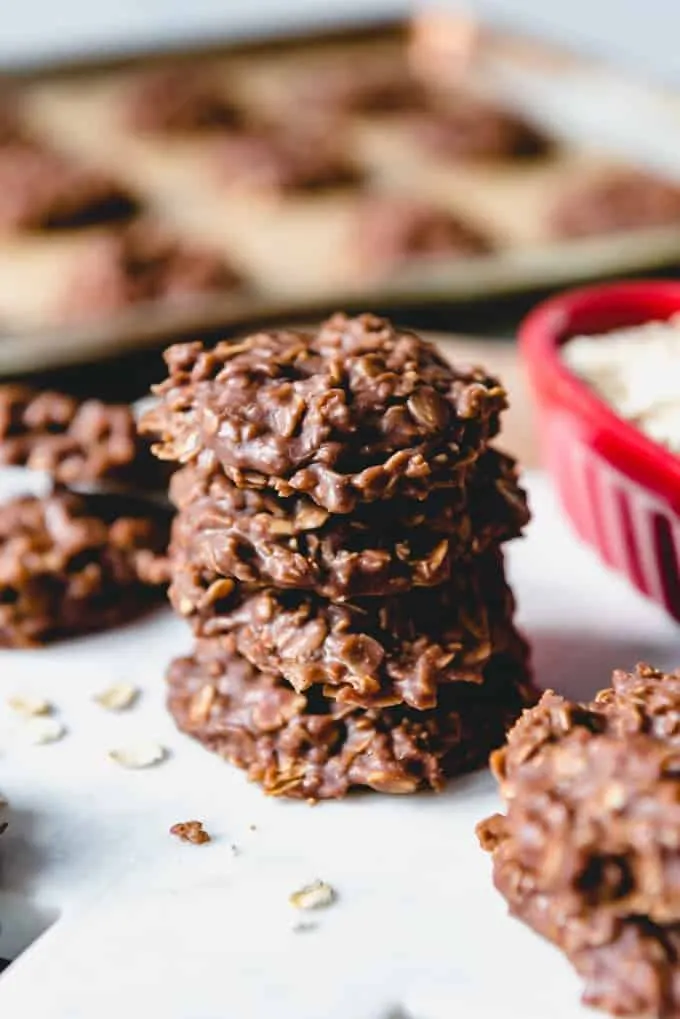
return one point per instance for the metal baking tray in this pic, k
(75, 108)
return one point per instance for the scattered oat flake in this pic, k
(117, 697)
(31, 707)
(40, 730)
(139, 755)
(190, 831)
(317, 895)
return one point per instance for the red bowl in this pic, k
(620, 489)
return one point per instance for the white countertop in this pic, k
(145, 926)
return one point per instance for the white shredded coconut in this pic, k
(637, 371)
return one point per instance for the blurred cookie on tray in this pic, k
(615, 200)
(40, 189)
(179, 100)
(142, 263)
(391, 231)
(280, 163)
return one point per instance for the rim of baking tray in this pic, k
(598, 309)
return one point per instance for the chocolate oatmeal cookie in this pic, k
(616, 201)
(43, 190)
(179, 100)
(367, 652)
(76, 442)
(138, 264)
(306, 746)
(282, 163)
(377, 88)
(390, 231)
(261, 539)
(11, 128)
(587, 852)
(356, 412)
(468, 128)
(73, 564)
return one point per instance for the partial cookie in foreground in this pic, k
(72, 564)
(588, 852)
(356, 412)
(368, 652)
(261, 539)
(614, 201)
(74, 441)
(42, 190)
(139, 264)
(390, 232)
(307, 747)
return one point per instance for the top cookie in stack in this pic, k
(328, 479)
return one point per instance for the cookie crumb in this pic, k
(317, 895)
(118, 697)
(191, 831)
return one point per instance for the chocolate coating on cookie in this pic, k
(72, 564)
(76, 442)
(261, 539)
(42, 190)
(367, 652)
(587, 852)
(306, 746)
(355, 412)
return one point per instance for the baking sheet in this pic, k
(80, 113)
(141, 924)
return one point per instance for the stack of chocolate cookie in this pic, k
(337, 553)
(73, 561)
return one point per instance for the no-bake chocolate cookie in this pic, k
(367, 652)
(179, 100)
(76, 442)
(615, 201)
(259, 538)
(72, 564)
(588, 850)
(468, 128)
(361, 87)
(268, 162)
(138, 264)
(42, 190)
(390, 231)
(306, 746)
(355, 412)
